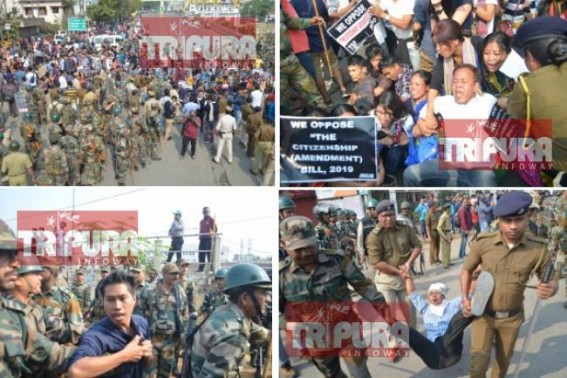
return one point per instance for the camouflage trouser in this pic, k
(143, 151)
(74, 170)
(93, 171)
(331, 366)
(153, 144)
(165, 352)
(122, 168)
(57, 180)
(561, 267)
(292, 74)
(33, 149)
(43, 113)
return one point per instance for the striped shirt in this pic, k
(435, 326)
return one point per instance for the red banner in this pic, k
(197, 42)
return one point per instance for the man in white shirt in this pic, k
(226, 126)
(256, 95)
(466, 103)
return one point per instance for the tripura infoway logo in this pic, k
(78, 237)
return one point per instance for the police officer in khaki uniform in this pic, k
(510, 255)
(445, 235)
(16, 164)
(392, 249)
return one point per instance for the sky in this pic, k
(246, 213)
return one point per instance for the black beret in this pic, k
(538, 28)
(512, 204)
(385, 205)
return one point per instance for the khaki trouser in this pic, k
(168, 127)
(394, 290)
(433, 247)
(19, 180)
(487, 331)
(445, 249)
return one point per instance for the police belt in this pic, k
(504, 314)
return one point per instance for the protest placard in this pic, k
(351, 30)
(328, 149)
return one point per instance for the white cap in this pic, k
(177, 212)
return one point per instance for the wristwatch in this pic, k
(439, 11)
(387, 17)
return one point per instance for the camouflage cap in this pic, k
(8, 242)
(137, 268)
(169, 268)
(105, 269)
(182, 262)
(297, 232)
(80, 271)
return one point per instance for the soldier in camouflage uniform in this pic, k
(121, 145)
(327, 299)
(22, 344)
(31, 136)
(559, 239)
(55, 163)
(216, 297)
(224, 338)
(32, 105)
(97, 310)
(140, 276)
(139, 139)
(93, 158)
(292, 73)
(186, 283)
(165, 307)
(39, 97)
(55, 127)
(326, 231)
(82, 292)
(64, 318)
(152, 112)
(70, 144)
(68, 113)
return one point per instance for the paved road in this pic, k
(545, 355)
(172, 170)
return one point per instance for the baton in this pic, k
(323, 39)
(546, 277)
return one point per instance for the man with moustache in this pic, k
(119, 346)
(311, 280)
(510, 255)
(24, 348)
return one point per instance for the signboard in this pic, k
(197, 42)
(351, 30)
(76, 24)
(328, 149)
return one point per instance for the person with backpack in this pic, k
(55, 162)
(191, 129)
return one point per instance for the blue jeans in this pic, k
(283, 354)
(238, 118)
(463, 249)
(429, 174)
(484, 226)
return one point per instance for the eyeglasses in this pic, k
(384, 114)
